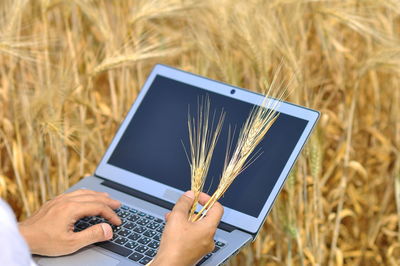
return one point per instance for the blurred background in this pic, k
(70, 69)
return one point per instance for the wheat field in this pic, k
(70, 69)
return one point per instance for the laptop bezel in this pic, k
(162, 191)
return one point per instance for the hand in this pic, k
(184, 242)
(50, 230)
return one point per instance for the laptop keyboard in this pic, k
(138, 237)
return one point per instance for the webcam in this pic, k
(233, 91)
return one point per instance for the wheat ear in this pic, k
(258, 123)
(202, 143)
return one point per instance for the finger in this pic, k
(93, 234)
(203, 198)
(113, 204)
(183, 205)
(166, 216)
(82, 209)
(214, 215)
(71, 195)
(84, 192)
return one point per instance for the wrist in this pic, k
(29, 237)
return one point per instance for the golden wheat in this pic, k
(253, 131)
(202, 139)
(69, 70)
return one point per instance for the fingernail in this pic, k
(189, 194)
(107, 231)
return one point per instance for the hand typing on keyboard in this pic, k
(184, 242)
(50, 231)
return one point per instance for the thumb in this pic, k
(166, 216)
(96, 233)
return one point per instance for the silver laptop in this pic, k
(146, 168)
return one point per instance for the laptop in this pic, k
(146, 168)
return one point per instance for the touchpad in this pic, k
(88, 257)
(172, 195)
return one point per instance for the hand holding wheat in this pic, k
(181, 236)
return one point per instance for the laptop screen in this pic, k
(153, 144)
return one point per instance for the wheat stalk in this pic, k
(202, 143)
(260, 120)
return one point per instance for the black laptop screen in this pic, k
(152, 144)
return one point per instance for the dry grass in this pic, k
(70, 69)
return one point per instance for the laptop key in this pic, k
(134, 236)
(144, 240)
(154, 244)
(158, 220)
(123, 214)
(129, 226)
(150, 217)
(114, 237)
(151, 253)
(132, 210)
(219, 244)
(140, 229)
(124, 232)
(86, 219)
(160, 229)
(215, 249)
(133, 217)
(131, 244)
(153, 225)
(143, 221)
(136, 256)
(95, 220)
(142, 214)
(206, 257)
(124, 207)
(141, 249)
(121, 240)
(145, 260)
(150, 233)
(115, 248)
(157, 237)
(85, 225)
(115, 228)
(82, 225)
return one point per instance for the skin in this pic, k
(50, 232)
(184, 242)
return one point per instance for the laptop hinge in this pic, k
(154, 200)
